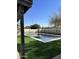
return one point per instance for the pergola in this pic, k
(22, 7)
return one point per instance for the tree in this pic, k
(35, 26)
(56, 20)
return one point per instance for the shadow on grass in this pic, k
(39, 50)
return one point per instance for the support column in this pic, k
(22, 34)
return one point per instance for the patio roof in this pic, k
(24, 3)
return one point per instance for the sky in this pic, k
(41, 11)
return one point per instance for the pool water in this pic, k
(46, 38)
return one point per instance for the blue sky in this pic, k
(40, 11)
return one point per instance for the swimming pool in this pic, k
(46, 38)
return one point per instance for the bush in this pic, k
(35, 26)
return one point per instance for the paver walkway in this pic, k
(57, 57)
(18, 57)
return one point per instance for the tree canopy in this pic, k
(35, 26)
(56, 20)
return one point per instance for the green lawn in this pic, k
(27, 39)
(39, 50)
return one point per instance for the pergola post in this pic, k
(22, 38)
(22, 33)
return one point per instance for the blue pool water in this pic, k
(46, 38)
